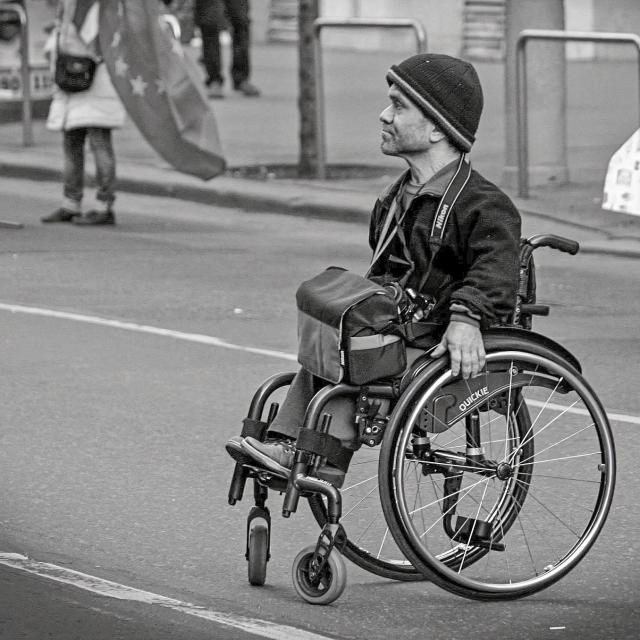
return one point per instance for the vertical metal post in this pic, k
(27, 132)
(521, 84)
(25, 70)
(321, 142)
(522, 125)
(323, 23)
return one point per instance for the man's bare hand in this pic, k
(465, 346)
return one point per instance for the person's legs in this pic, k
(278, 450)
(283, 430)
(211, 54)
(105, 163)
(102, 147)
(72, 176)
(239, 23)
(73, 172)
(238, 16)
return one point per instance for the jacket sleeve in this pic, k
(492, 257)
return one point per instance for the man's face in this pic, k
(405, 128)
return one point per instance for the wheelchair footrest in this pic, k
(477, 533)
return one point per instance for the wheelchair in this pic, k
(491, 488)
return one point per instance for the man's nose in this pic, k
(386, 115)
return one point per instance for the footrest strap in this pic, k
(326, 446)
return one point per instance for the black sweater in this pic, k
(477, 264)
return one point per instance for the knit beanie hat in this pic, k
(447, 90)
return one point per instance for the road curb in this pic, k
(227, 192)
(281, 198)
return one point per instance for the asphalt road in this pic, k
(111, 439)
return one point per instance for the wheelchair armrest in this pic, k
(534, 309)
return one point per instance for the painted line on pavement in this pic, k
(619, 417)
(143, 328)
(110, 589)
(214, 342)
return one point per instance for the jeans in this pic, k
(102, 149)
(237, 13)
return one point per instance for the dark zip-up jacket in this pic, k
(477, 264)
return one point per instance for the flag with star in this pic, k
(160, 87)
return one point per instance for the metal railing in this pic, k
(521, 84)
(25, 68)
(323, 23)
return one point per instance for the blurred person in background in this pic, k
(90, 114)
(212, 17)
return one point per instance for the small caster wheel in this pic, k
(325, 587)
(258, 552)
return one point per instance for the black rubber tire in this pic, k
(331, 584)
(258, 549)
(574, 439)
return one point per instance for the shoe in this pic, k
(95, 218)
(214, 90)
(61, 215)
(274, 454)
(248, 89)
(234, 449)
(277, 455)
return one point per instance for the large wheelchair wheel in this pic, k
(370, 544)
(497, 486)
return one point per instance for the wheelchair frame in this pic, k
(319, 574)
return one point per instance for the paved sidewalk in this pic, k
(262, 133)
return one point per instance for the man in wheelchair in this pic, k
(443, 237)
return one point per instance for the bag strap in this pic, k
(388, 232)
(410, 331)
(97, 56)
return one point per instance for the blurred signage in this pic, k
(622, 182)
(40, 17)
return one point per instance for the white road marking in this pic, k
(143, 328)
(123, 592)
(619, 417)
(217, 342)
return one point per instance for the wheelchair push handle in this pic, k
(565, 245)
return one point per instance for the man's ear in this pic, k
(436, 134)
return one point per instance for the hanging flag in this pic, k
(160, 87)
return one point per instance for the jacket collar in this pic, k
(435, 186)
(438, 183)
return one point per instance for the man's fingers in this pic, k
(477, 361)
(440, 350)
(481, 359)
(469, 363)
(455, 356)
